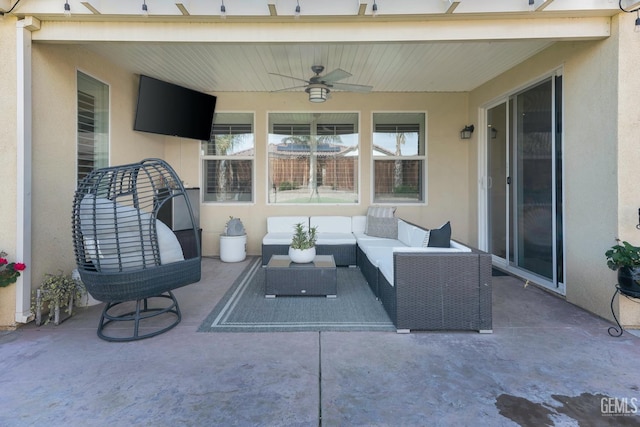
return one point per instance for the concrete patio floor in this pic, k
(547, 363)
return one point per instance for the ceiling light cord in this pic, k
(145, 9)
(374, 9)
(636, 11)
(67, 9)
(223, 10)
(297, 13)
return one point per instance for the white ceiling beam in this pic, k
(544, 5)
(338, 8)
(181, 7)
(90, 7)
(452, 6)
(314, 32)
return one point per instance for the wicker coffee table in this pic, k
(284, 277)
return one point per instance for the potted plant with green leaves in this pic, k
(57, 291)
(625, 258)
(303, 245)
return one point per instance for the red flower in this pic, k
(3, 261)
(18, 266)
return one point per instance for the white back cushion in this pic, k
(285, 224)
(404, 232)
(358, 224)
(331, 224)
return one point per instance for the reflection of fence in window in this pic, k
(228, 180)
(228, 159)
(388, 187)
(334, 179)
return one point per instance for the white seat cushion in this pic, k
(336, 239)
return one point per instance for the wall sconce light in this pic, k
(374, 9)
(317, 93)
(67, 9)
(297, 12)
(636, 28)
(532, 5)
(145, 9)
(466, 132)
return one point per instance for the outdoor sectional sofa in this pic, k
(421, 288)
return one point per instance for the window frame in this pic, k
(206, 157)
(106, 126)
(422, 139)
(357, 175)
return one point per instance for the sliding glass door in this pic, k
(524, 187)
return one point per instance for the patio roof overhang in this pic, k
(410, 46)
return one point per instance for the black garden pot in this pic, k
(629, 281)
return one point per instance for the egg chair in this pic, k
(126, 256)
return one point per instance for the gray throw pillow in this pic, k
(381, 222)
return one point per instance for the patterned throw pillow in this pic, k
(381, 222)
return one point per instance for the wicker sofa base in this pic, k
(442, 292)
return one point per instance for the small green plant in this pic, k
(624, 254)
(57, 290)
(303, 239)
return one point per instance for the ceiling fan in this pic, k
(318, 87)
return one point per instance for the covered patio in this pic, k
(548, 362)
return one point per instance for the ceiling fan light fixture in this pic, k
(317, 93)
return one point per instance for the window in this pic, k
(93, 125)
(313, 158)
(399, 158)
(228, 159)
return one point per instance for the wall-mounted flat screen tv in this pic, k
(169, 109)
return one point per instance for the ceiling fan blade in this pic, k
(351, 87)
(335, 75)
(288, 88)
(290, 77)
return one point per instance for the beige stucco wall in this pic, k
(8, 160)
(447, 174)
(600, 152)
(54, 144)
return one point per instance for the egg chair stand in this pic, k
(125, 255)
(141, 313)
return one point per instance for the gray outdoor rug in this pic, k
(245, 309)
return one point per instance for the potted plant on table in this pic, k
(303, 246)
(625, 258)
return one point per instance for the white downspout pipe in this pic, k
(24, 28)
